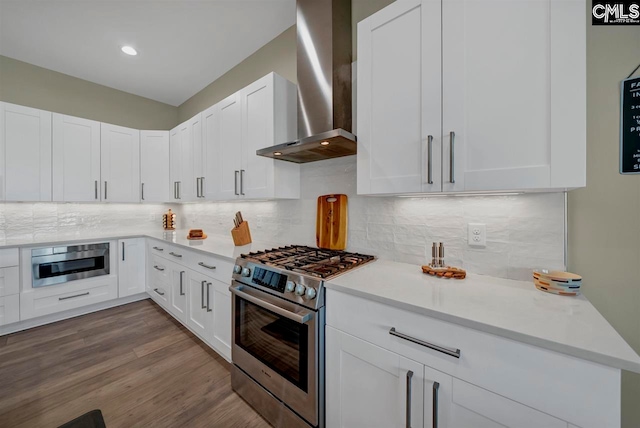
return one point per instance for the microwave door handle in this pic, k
(301, 317)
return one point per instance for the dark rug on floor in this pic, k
(92, 419)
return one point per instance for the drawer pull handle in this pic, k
(434, 419)
(159, 292)
(208, 300)
(176, 254)
(206, 266)
(181, 291)
(449, 351)
(158, 249)
(408, 417)
(159, 268)
(71, 297)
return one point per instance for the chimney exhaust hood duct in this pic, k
(324, 84)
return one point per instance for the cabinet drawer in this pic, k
(210, 266)
(9, 257)
(9, 281)
(54, 299)
(159, 270)
(533, 376)
(9, 309)
(160, 292)
(160, 248)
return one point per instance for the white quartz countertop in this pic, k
(512, 309)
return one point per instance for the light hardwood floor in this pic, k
(135, 363)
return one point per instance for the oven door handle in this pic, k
(301, 317)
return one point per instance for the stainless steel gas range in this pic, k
(278, 330)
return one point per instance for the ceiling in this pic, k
(183, 45)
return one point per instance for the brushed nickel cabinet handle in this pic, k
(235, 183)
(208, 300)
(158, 249)
(105, 190)
(429, 159)
(142, 197)
(158, 268)
(449, 351)
(160, 293)
(181, 282)
(242, 182)
(72, 297)
(408, 405)
(202, 187)
(179, 189)
(434, 415)
(95, 189)
(206, 266)
(202, 295)
(452, 157)
(175, 254)
(123, 251)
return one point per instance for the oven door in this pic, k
(276, 343)
(78, 262)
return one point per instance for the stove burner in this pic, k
(311, 261)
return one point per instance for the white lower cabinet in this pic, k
(131, 266)
(381, 368)
(189, 285)
(9, 309)
(369, 387)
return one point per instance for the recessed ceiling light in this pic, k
(277, 153)
(129, 50)
(324, 143)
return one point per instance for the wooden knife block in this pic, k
(241, 235)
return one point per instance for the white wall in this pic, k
(39, 220)
(523, 231)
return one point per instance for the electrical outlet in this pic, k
(477, 234)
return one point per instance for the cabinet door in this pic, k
(76, 159)
(199, 307)
(120, 163)
(221, 332)
(227, 145)
(179, 288)
(257, 172)
(513, 93)
(175, 161)
(131, 266)
(454, 403)
(9, 309)
(370, 387)
(25, 143)
(399, 99)
(211, 153)
(154, 166)
(191, 158)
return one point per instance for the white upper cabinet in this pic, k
(76, 159)
(260, 115)
(512, 103)
(184, 140)
(399, 99)
(154, 166)
(25, 153)
(120, 164)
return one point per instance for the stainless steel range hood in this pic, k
(324, 84)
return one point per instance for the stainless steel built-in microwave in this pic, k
(56, 265)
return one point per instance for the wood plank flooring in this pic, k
(135, 363)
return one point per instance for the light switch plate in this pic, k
(477, 234)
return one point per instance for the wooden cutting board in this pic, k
(331, 222)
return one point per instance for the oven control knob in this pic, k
(300, 289)
(291, 286)
(246, 272)
(237, 269)
(311, 293)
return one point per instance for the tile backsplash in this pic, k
(523, 231)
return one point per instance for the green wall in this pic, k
(32, 86)
(604, 217)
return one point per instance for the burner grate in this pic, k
(308, 260)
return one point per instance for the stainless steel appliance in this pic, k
(55, 265)
(278, 330)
